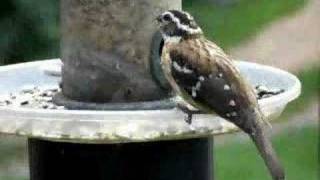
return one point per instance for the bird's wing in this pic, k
(211, 79)
(208, 77)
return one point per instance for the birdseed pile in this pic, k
(41, 97)
(31, 97)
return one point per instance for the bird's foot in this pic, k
(188, 118)
(189, 112)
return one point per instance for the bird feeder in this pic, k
(113, 117)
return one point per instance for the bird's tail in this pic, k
(266, 150)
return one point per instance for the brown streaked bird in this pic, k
(205, 77)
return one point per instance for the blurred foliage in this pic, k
(13, 158)
(232, 24)
(310, 82)
(29, 30)
(296, 147)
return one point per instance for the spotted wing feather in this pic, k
(215, 83)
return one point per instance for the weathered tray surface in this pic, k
(89, 126)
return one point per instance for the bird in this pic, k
(204, 76)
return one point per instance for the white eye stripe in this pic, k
(182, 26)
(188, 15)
(167, 13)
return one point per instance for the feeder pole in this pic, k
(106, 47)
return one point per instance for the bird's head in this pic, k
(178, 24)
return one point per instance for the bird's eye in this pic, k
(167, 17)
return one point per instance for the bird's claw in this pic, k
(188, 118)
(189, 112)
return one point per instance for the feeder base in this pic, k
(190, 159)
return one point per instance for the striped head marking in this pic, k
(174, 23)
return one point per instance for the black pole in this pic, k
(190, 159)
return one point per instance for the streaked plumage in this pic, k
(203, 75)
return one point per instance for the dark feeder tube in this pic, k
(106, 47)
(163, 160)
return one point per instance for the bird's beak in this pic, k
(159, 19)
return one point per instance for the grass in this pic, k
(14, 148)
(12, 156)
(310, 80)
(297, 149)
(29, 30)
(231, 25)
(12, 178)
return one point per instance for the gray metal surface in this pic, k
(107, 45)
(89, 126)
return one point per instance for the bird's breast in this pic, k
(166, 64)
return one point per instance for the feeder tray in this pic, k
(124, 123)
